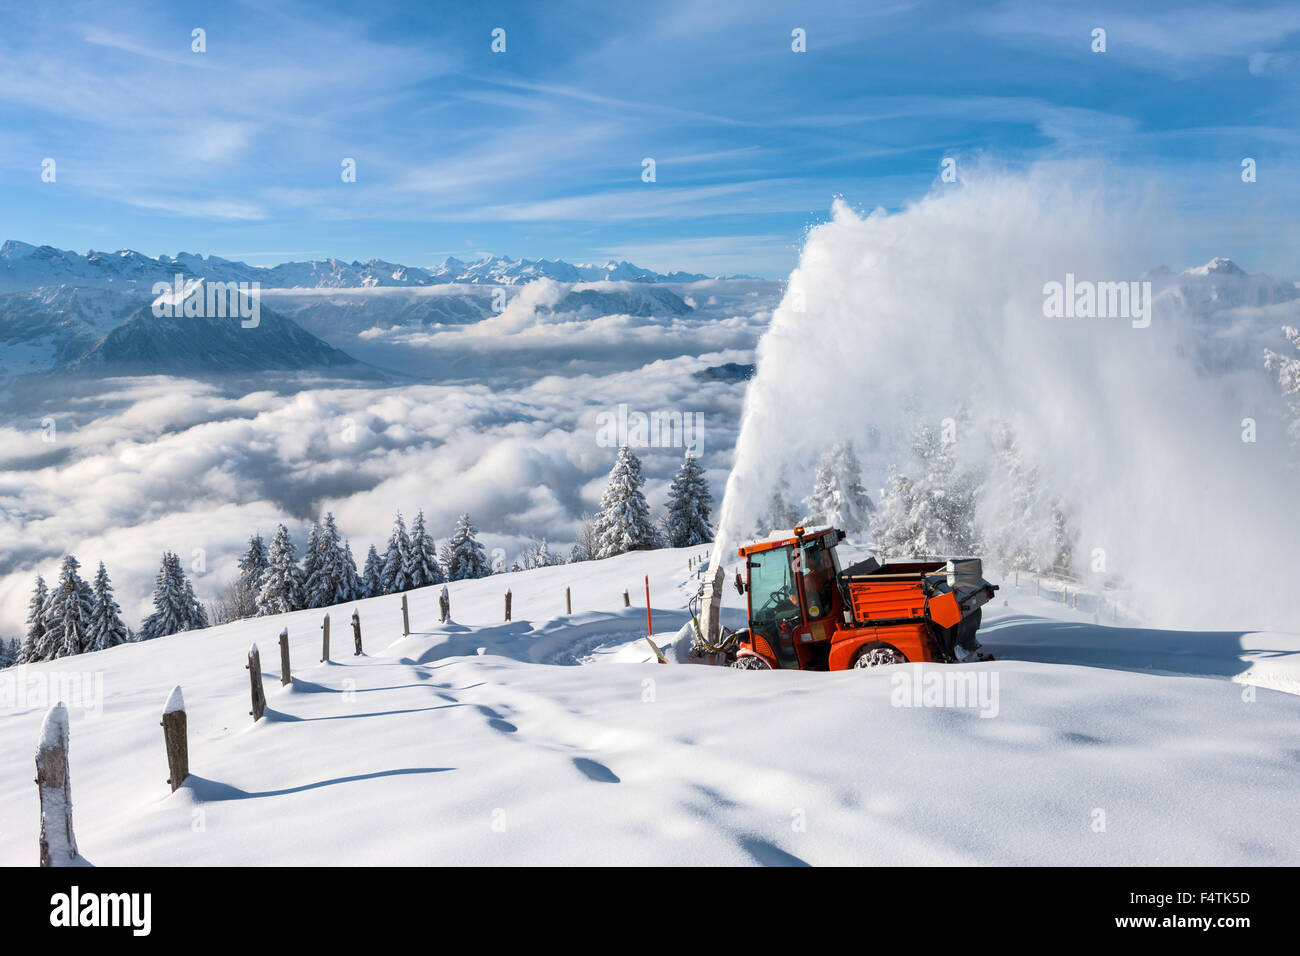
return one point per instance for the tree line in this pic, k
(75, 617)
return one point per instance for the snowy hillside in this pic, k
(556, 740)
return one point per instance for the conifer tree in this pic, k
(34, 639)
(463, 555)
(689, 506)
(397, 559)
(422, 567)
(68, 613)
(282, 581)
(624, 521)
(106, 626)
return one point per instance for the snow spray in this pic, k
(941, 314)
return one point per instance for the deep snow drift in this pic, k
(937, 313)
(1100, 745)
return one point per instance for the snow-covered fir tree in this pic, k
(779, 514)
(106, 626)
(463, 556)
(397, 558)
(932, 513)
(355, 589)
(68, 613)
(372, 580)
(624, 521)
(9, 652)
(312, 558)
(176, 608)
(690, 504)
(422, 567)
(253, 563)
(34, 639)
(1019, 519)
(333, 575)
(282, 581)
(838, 498)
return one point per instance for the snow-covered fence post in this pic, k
(406, 617)
(444, 604)
(325, 640)
(568, 601)
(58, 844)
(176, 738)
(356, 631)
(284, 656)
(254, 668)
(507, 604)
(627, 598)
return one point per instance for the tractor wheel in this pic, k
(877, 654)
(751, 663)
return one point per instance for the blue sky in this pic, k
(538, 151)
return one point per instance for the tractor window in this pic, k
(772, 594)
(818, 563)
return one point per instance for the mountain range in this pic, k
(25, 266)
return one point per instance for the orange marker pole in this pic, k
(648, 629)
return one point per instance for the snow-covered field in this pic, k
(481, 742)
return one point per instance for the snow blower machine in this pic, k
(807, 613)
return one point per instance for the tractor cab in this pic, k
(791, 580)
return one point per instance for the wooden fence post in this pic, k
(568, 601)
(406, 618)
(254, 667)
(58, 843)
(356, 631)
(176, 738)
(507, 604)
(284, 656)
(627, 600)
(444, 604)
(325, 640)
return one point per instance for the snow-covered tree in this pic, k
(690, 504)
(253, 563)
(312, 559)
(536, 554)
(1287, 370)
(422, 568)
(932, 513)
(397, 559)
(372, 581)
(176, 608)
(1016, 512)
(838, 498)
(624, 521)
(106, 626)
(463, 556)
(68, 613)
(34, 640)
(9, 652)
(355, 588)
(779, 514)
(333, 572)
(282, 580)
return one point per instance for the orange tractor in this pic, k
(807, 613)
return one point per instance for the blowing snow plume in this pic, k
(943, 316)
